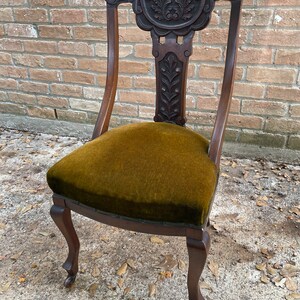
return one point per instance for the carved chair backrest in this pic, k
(172, 24)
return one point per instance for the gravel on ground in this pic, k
(255, 235)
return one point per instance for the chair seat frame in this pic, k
(197, 237)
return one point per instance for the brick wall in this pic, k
(52, 65)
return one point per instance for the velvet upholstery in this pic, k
(152, 171)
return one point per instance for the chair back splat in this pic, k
(153, 177)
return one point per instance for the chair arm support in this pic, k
(104, 115)
(216, 143)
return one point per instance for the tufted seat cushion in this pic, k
(152, 171)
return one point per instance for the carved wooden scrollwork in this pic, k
(171, 19)
(173, 16)
(170, 16)
(169, 106)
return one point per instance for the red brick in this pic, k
(73, 116)
(5, 58)
(248, 90)
(22, 98)
(14, 72)
(124, 82)
(99, 16)
(65, 16)
(41, 112)
(47, 3)
(287, 17)
(3, 96)
(144, 82)
(137, 97)
(86, 105)
(146, 112)
(143, 51)
(93, 93)
(283, 125)
(190, 102)
(283, 93)
(10, 108)
(277, 3)
(295, 111)
(211, 104)
(92, 3)
(6, 14)
(204, 88)
(2, 31)
(288, 57)
(52, 101)
(134, 35)
(8, 83)
(271, 37)
(28, 60)
(251, 17)
(203, 118)
(72, 48)
(215, 18)
(241, 121)
(55, 32)
(26, 15)
(250, 55)
(34, 87)
(40, 46)
(294, 142)
(217, 72)
(219, 36)
(206, 53)
(66, 90)
(271, 75)
(134, 67)
(95, 65)
(124, 109)
(56, 62)
(11, 45)
(21, 30)
(89, 33)
(13, 2)
(124, 50)
(78, 77)
(269, 108)
(262, 139)
(44, 75)
(225, 3)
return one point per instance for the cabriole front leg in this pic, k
(61, 215)
(197, 250)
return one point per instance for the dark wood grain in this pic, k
(217, 138)
(61, 215)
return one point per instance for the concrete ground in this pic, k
(255, 235)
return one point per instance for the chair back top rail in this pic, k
(172, 24)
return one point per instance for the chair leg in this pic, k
(197, 250)
(62, 218)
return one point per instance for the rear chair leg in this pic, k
(61, 215)
(197, 250)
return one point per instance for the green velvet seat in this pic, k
(151, 171)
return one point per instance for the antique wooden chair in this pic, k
(156, 177)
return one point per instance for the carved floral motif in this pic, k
(172, 10)
(169, 107)
(173, 16)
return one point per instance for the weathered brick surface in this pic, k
(53, 65)
(25, 15)
(55, 32)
